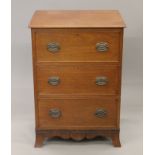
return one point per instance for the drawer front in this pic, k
(77, 113)
(78, 45)
(78, 79)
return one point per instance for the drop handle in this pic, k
(101, 80)
(55, 113)
(100, 113)
(55, 80)
(53, 47)
(102, 46)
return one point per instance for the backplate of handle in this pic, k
(54, 80)
(102, 46)
(101, 80)
(53, 47)
(55, 113)
(100, 113)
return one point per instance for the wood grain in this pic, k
(78, 44)
(77, 114)
(76, 19)
(78, 79)
(78, 63)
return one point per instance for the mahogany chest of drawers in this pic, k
(77, 57)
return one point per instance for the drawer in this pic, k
(78, 45)
(78, 79)
(77, 113)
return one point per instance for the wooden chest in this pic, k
(77, 57)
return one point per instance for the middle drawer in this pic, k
(78, 79)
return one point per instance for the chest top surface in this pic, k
(77, 19)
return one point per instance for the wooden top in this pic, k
(77, 19)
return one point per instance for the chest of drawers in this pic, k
(77, 57)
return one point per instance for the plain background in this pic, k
(22, 83)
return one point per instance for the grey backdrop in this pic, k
(22, 83)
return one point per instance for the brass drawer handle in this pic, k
(55, 113)
(101, 81)
(102, 46)
(53, 47)
(55, 80)
(100, 113)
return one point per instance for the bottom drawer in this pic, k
(77, 113)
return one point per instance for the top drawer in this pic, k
(78, 45)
